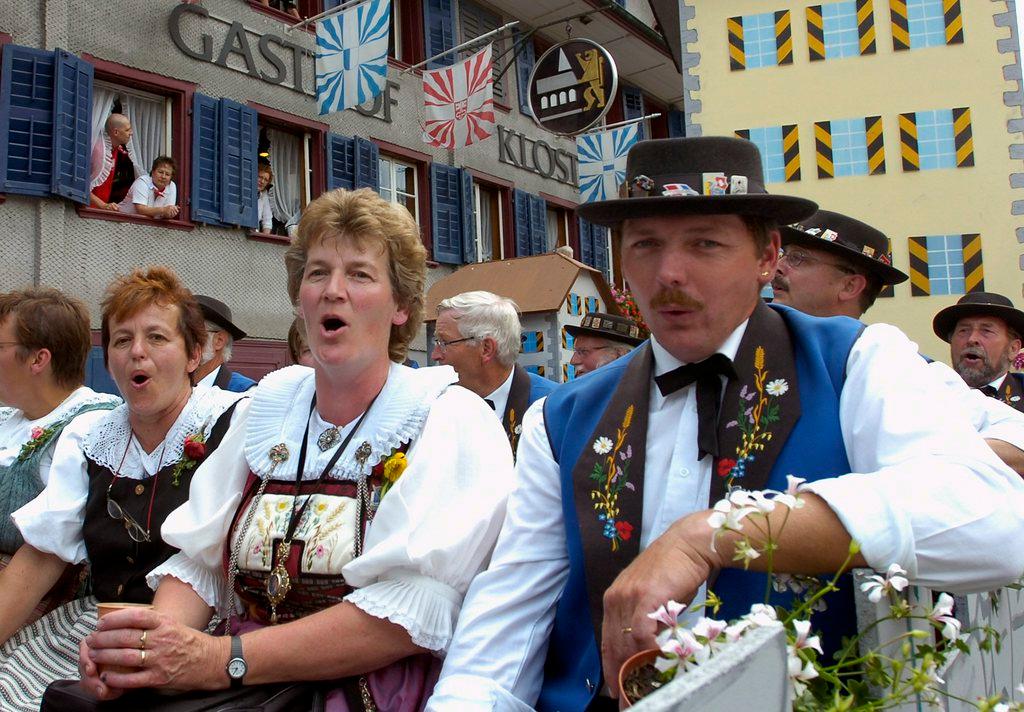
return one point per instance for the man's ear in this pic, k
(488, 349)
(853, 286)
(220, 340)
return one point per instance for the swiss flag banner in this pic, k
(459, 102)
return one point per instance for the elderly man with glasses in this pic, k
(600, 339)
(479, 335)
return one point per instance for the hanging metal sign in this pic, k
(572, 86)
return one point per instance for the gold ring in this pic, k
(142, 660)
(142, 640)
(627, 630)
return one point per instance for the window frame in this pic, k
(180, 93)
(568, 210)
(504, 188)
(422, 162)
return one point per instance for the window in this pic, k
(633, 108)
(557, 227)
(530, 214)
(780, 151)
(488, 221)
(841, 29)
(849, 147)
(224, 156)
(926, 23)
(945, 264)
(763, 40)
(451, 214)
(936, 139)
(399, 184)
(594, 247)
(474, 21)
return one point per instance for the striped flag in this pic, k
(459, 102)
(352, 55)
(602, 162)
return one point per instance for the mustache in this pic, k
(780, 283)
(975, 351)
(675, 298)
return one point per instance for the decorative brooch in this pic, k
(40, 438)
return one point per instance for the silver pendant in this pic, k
(328, 439)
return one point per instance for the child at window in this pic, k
(155, 195)
(264, 177)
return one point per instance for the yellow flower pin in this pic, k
(394, 466)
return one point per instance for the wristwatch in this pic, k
(236, 663)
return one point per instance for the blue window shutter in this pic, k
(524, 66)
(521, 208)
(676, 124)
(367, 164)
(469, 253)
(633, 107)
(27, 81)
(72, 126)
(341, 162)
(446, 213)
(239, 137)
(439, 28)
(538, 225)
(329, 4)
(586, 241)
(600, 238)
(205, 199)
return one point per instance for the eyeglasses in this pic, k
(586, 351)
(443, 345)
(796, 258)
(135, 531)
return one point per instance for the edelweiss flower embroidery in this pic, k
(611, 474)
(758, 409)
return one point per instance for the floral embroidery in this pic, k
(514, 430)
(758, 409)
(611, 474)
(194, 452)
(40, 439)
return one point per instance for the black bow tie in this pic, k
(709, 395)
(990, 391)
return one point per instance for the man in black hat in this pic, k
(983, 331)
(833, 265)
(617, 471)
(600, 339)
(221, 337)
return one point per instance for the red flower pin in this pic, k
(194, 449)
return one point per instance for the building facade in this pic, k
(225, 85)
(903, 113)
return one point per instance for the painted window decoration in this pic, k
(574, 305)
(780, 151)
(926, 23)
(931, 140)
(568, 372)
(539, 370)
(832, 31)
(849, 147)
(568, 341)
(533, 342)
(945, 264)
(593, 304)
(763, 40)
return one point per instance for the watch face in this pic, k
(236, 668)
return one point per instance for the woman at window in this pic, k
(360, 503)
(107, 507)
(264, 179)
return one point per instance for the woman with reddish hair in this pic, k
(138, 462)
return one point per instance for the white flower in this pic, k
(709, 628)
(894, 580)
(777, 387)
(791, 497)
(762, 615)
(682, 652)
(755, 499)
(800, 672)
(803, 641)
(602, 446)
(668, 614)
(745, 553)
(726, 517)
(942, 615)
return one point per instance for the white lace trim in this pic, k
(107, 441)
(6, 414)
(426, 608)
(280, 409)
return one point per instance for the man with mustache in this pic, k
(983, 331)
(617, 471)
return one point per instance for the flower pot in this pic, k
(634, 664)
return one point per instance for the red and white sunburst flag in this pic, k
(459, 102)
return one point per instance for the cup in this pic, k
(103, 609)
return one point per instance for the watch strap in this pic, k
(236, 654)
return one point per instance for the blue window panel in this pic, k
(446, 213)
(239, 136)
(759, 43)
(205, 199)
(568, 341)
(586, 232)
(367, 164)
(633, 107)
(525, 59)
(926, 23)
(676, 124)
(27, 81)
(521, 215)
(72, 127)
(945, 264)
(841, 36)
(531, 342)
(769, 143)
(341, 162)
(849, 147)
(538, 225)
(601, 250)
(439, 30)
(469, 254)
(96, 375)
(935, 143)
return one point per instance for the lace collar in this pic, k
(78, 398)
(107, 441)
(280, 407)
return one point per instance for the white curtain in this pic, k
(485, 223)
(286, 162)
(149, 129)
(102, 102)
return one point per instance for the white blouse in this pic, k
(52, 522)
(433, 531)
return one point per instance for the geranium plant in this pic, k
(902, 669)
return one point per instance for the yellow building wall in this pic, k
(901, 204)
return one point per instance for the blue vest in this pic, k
(814, 450)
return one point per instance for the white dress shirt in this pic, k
(143, 192)
(266, 213)
(500, 395)
(208, 379)
(924, 492)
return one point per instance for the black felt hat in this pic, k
(854, 241)
(704, 175)
(978, 304)
(220, 314)
(608, 326)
